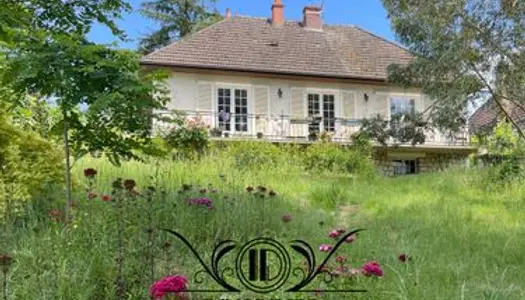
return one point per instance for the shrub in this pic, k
(27, 163)
(188, 138)
(329, 157)
(255, 154)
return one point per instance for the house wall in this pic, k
(428, 161)
(198, 92)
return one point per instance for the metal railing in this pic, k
(281, 127)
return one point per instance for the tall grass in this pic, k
(466, 241)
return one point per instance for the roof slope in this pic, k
(488, 115)
(253, 44)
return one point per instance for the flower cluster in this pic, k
(169, 285)
(201, 202)
(261, 191)
(372, 269)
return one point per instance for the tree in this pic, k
(177, 18)
(48, 55)
(463, 49)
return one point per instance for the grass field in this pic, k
(465, 239)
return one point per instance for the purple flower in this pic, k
(372, 269)
(350, 239)
(325, 248)
(169, 285)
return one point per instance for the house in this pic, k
(283, 81)
(486, 117)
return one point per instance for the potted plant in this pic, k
(260, 135)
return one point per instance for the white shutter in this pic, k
(260, 99)
(297, 111)
(260, 107)
(349, 105)
(205, 97)
(381, 106)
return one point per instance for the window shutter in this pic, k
(297, 105)
(205, 97)
(349, 107)
(261, 100)
(381, 106)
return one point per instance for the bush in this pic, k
(27, 164)
(255, 154)
(329, 157)
(188, 138)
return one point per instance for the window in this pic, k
(405, 167)
(325, 110)
(239, 108)
(401, 106)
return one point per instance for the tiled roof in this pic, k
(488, 115)
(253, 44)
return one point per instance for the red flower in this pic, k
(340, 259)
(129, 184)
(90, 172)
(171, 284)
(286, 218)
(106, 198)
(372, 269)
(55, 215)
(403, 257)
(92, 195)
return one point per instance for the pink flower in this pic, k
(336, 233)
(286, 218)
(372, 269)
(325, 248)
(350, 239)
(403, 257)
(170, 284)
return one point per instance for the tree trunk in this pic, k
(67, 169)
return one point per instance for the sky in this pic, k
(367, 14)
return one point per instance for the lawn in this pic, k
(464, 239)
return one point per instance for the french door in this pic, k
(232, 108)
(323, 107)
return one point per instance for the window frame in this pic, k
(233, 108)
(321, 95)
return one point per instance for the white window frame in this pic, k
(337, 105)
(250, 106)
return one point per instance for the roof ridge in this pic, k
(384, 39)
(187, 36)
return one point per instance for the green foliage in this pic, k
(504, 141)
(256, 155)
(27, 164)
(463, 50)
(120, 98)
(188, 138)
(400, 129)
(329, 157)
(177, 18)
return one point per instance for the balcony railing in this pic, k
(283, 128)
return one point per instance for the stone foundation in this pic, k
(424, 161)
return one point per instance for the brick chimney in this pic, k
(228, 13)
(312, 18)
(277, 13)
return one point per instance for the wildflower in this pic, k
(166, 245)
(55, 215)
(272, 193)
(171, 284)
(90, 172)
(286, 218)
(5, 262)
(340, 259)
(372, 269)
(203, 191)
(249, 189)
(325, 248)
(350, 239)
(129, 184)
(334, 234)
(92, 195)
(404, 257)
(106, 198)
(261, 189)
